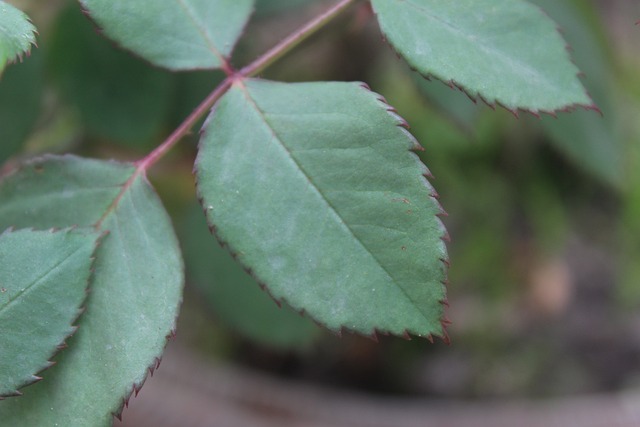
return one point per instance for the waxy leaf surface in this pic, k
(175, 34)
(17, 34)
(135, 291)
(315, 189)
(43, 281)
(505, 52)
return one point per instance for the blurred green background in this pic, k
(544, 213)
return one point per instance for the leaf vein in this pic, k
(482, 44)
(202, 30)
(28, 289)
(325, 199)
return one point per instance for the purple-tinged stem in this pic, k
(293, 40)
(185, 126)
(256, 67)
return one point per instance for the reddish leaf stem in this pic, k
(185, 126)
(294, 39)
(256, 67)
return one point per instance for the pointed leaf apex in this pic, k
(210, 29)
(286, 127)
(487, 64)
(17, 35)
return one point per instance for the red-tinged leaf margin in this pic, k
(151, 369)
(63, 344)
(514, 111)
(135, 388)
(18, 57)
(213, 229)
(401, 123)
(445, 237)
(375, 334)
(138, 171)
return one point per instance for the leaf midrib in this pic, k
(324, 198)
(203, 31)
(54, 196)
(33, 285)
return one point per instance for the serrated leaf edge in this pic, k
(515, 110)
(35, 377)
(435, 198)
(444, 321)
(18, 57)
(155, 364)
(136, 386)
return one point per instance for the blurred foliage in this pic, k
(118, 97)
(592, 143)
(544, 214)
(21, 88)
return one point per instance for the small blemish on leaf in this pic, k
(403, 200)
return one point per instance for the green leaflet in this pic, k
(314, 188)
(234, 296)
(135, 292)
(175, 34)
(17, 34)
(43, 281)
(508, 53)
